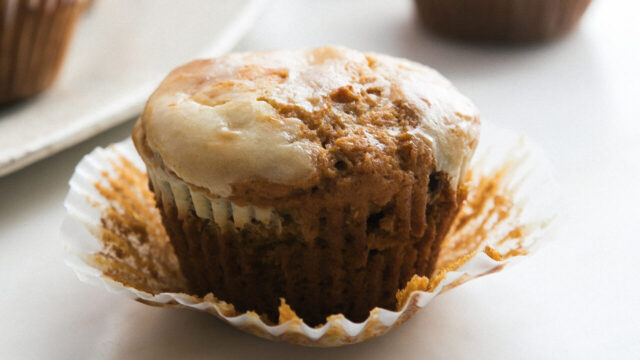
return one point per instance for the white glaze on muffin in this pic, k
(213, 123)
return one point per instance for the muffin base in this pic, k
(34, 38)
(501, 20)
(343, 270)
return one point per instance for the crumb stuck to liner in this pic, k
(115, 238)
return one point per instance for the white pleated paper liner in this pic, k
(115, 239)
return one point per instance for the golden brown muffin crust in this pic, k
(346, 112)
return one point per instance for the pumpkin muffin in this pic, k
(34, 36)
(327, 177)
(501, 20)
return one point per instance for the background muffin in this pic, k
(34, 36)
(501, 20)
(326, 177)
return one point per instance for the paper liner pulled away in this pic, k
(115, 238)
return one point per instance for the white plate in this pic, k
(121, 50)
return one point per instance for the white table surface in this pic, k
(577, 297)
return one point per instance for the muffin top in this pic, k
(294, 118)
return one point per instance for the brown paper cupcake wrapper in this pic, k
(227, 249)
(34, 36)
(115, 239)
(501, 20)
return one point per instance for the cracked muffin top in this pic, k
(290, 120)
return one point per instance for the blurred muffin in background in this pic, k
(501, 20)
(34, 35)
